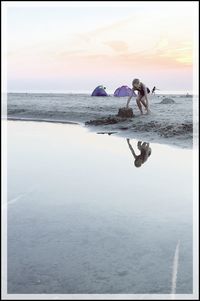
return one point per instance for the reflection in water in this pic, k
(145, 152)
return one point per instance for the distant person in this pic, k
(145, 152)
(153, 90)
(101, 86)
(142, 98)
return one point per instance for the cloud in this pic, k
(117, 46)
(142, 42)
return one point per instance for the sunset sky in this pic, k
(60, 47)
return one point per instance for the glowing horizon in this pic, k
(77, 47)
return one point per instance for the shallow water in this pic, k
(83, 219)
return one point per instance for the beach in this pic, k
(100, 152)
(168, 123)
(83, 219)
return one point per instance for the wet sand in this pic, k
(82, 219)
(169, 123)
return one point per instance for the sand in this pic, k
(168, 123)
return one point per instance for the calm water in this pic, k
(83, 219)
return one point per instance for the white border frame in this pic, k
(7, 296)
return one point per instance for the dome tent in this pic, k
(99, 91)
(123, 91)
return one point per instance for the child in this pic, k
(145, 152)
(142, 95)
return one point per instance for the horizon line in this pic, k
(90, 91)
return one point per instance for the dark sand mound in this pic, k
(167, 100)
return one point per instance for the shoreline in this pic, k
(123, 133)
(39, 120)
(171, 124)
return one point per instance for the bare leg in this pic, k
(139, 104)
(143, 102)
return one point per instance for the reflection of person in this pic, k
(145, 152)
(142, 98)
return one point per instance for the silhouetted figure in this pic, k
(145, 152)
(153, 90)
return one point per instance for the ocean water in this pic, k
(167, 123)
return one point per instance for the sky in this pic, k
(72, 46)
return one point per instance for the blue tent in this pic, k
(124, 91)
(99, 91)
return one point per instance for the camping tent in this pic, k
(123, 91)
(99, 91)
